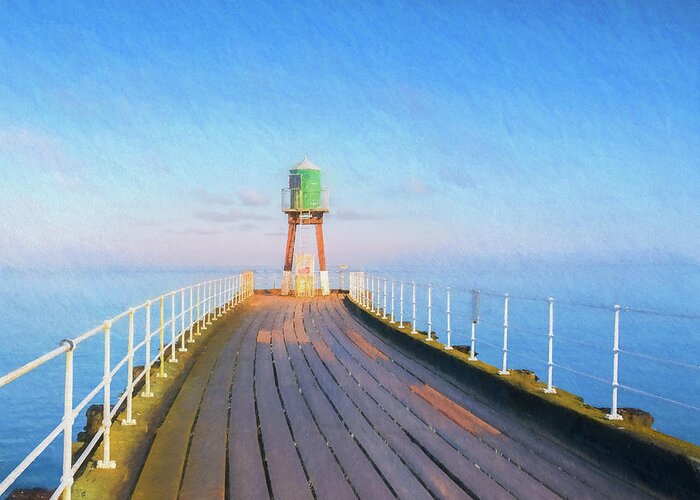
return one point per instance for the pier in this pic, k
(298, 398)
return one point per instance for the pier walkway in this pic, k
(299, 399)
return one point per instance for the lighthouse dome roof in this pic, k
(305, 164)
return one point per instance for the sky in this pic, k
(147, 134)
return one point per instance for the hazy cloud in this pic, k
(197, 231)
(252, 197)
(230, 216)
(249, 226)
(212, 198)
(416, 186)
(350, 214)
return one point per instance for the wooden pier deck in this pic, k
(301, 400)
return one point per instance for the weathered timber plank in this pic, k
(246, 471)
(358, 467)
(324, 472)
(287, 476)
(162, 471)
(401, 478)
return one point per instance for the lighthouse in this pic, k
(304, 202)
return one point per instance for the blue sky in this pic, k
(147, 135)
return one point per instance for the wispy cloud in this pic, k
(196, 231)
(249, 226)
(253, 198)
(206, 196)
(351, 215)
(417, 186)
(43, 152)
(233, 215)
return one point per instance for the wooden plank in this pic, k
(247, 478)
(442, 455)
(395, 393)
(205, 470)
(357, 466)
(162, 471)
(401, 478)
(287, 476)
(539, 456)
(327, 478)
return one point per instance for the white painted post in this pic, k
(475, 320)
(220, 298)
(161, 332)
(504, 370)
(372, 295)
(147, 366)
(401, 305)
(205, 297)
(173, 340)
(413, 324)
(182, 321)
(448, 347)
(106, 463)
(67, 477)
(379, 296)
(550, 362)
(199, 323)
(392, 302)
(614, 415)
(207, 310)
(384, 308)
(130, 372)
(430, 312)
(191, 339)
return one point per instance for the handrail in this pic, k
(369, 290)
(213, 298)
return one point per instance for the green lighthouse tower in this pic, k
(304, 202)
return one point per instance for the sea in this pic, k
(659, 332)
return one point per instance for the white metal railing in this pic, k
(205, 302)
(292, 200)
(376, 294)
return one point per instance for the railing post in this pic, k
(550, 361)
(219, 298)
(430, 312)
(161, 332)
(614, 415)
(392, 301)
(475, 321)
(199, 322)
(448, 347)
(191, 328)
(204, 306)
(504, 370)
(173, 339)
(106, 463)
(413, 323)
(384, 308)
(182, 321)
(147, 367)
(209, 302)
(130, 372)
(67, 477)
(401, 304)
(372, 295)
(377, 309)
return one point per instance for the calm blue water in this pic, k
(39, 308)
